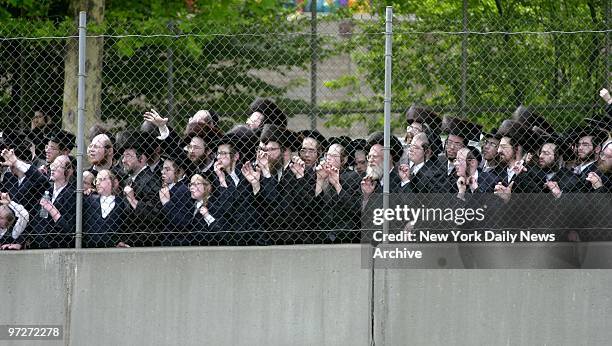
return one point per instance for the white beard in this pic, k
(374, 172)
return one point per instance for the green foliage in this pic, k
(560, 72)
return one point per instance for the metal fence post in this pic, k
(80, 125)
(313, 64)
(387, 133)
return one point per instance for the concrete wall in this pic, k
(299, 295)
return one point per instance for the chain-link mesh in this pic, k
(263, 137)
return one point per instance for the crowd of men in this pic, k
(261, 183)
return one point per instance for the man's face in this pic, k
(5, 215)
(88, 180)
(196, 150)
(605, 159)
(506, 151)
(58, 169)
(225, 157)
(489, 148)
(334, 156)
(104, 183)
(131, 162)
(169, 175)
(417, 153)
(309, 152)
(375, 156)
(255, 120)
(461, 163)
(453, 144)
(361, 163)
(199, 188)
(586, 149)
(201, 116)
(273, 149)
(51, 151)
(413, 130)
(547, 156)
(38, 120)
(98, 151)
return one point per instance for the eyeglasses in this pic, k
(223, 153)
(308, 151)
(454, 144)
(198, 183)
(585, 144)
(460, 161)
(372, 157)
(194, 147)
(490, 144)
(505, 146)
(336, 156)
(99, 180)
(128, 156)
(96, 147)
(363, 162)
(50, 147)
(412, 128)
(267, 150)
(414, 147)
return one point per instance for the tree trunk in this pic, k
(93, 70)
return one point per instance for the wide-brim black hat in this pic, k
(278, 134)
(530, 118)
(560, 141)
(603, 123)
(208, 133)
(424, 115)
(64, 139)
(271, 112)
(461, 128)
(243, 140)
(379, 138)
(179, 157)
(314, 134)
(344, 141)
(599, 135)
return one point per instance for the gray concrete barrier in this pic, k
(298, 295)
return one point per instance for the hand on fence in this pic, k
(595, 180)
(164, 195)
(5, 199)
(322, 173)
(154, 118)
(9, 157)
(10, 247)
(404, 172)
(461, 185)
(218, 168)
(367, 186)
(297, 167)
(503, 192)
(263, 162)
(554, 188)
(605, 94)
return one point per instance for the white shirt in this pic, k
(449, 167)
(208, 218)
(107, 203)
(56, 192)
(511, 173)
(475, 175)
(486, 168)
(22, 217)
(579, 169)
(235, 177)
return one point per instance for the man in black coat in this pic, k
(175, 199)
(141, 189)
(422, 175)
(588, 142)
(57, 229)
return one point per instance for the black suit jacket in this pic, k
(429, 179)
(29, 192)
(147, 215)
(47, 233)
(104, 232)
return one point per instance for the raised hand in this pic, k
(154, 118)
(367, 186)
(503, 192)
(595, 180)
(298, 167)
(404, 172)
(251, 175)
(605, 94)
(164, 195)
(9, 157)
(218, 168)
(333, 176)
(461, 184)
(321, 172)
(553, 186)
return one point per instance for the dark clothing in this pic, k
(47, 233)
(147, 215)
(427, 180)
(582, 184)
(29, 192)
(240, 215)
(177, 214)
(341, 211)
(104, 232)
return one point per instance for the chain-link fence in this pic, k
(263, 138)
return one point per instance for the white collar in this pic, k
(414, 169)
(234, 177)
(140, 171)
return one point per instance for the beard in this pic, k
(374, 172)
(275, 165)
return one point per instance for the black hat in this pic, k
(461, 128)
(64, 139)
(271, 112)
(599, 135)
(560, 141)
(344, 141)
(490, 134)
(530, 118)
(379, 138)
(314, 134)
(424, 115)
(20, 142)
(604, 123)
(354, 146)
(273, 133)
(179, 157)
(143, 142)
(208, 133)
(243, 140)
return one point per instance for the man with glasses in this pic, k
(489, 145)
(100, 153)
(601, 180)
(422, 175)
(238, 211)
(141, 187)
(551, 161)
(418, 119)
(588, 146)
(459, 133)
(57, 229)
(59, 143)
